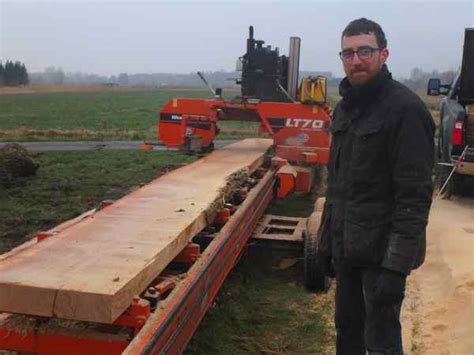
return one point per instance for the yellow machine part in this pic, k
(313, 90)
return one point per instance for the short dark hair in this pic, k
(365, 26)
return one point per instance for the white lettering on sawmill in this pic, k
(304, 123)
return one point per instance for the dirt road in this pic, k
(438, 312)
(96, 145)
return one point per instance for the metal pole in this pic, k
(294, 66)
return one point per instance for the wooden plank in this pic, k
(51, 232)
(91, 270)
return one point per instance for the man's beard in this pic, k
(359, 80)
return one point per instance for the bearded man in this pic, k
(379, 193)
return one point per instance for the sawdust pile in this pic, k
(24, 324)
(29, 325)
(15, 161)
(438, 311)
(233, 185)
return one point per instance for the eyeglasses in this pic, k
(363, 53)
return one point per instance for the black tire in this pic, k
(315, 279)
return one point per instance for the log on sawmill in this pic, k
(91, 270)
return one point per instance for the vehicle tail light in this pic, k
(456, 138)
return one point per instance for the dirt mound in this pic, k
(15, 161)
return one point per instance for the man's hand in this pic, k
(390, 286)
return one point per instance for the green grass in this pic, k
(262, 311)
(115, 115)
(301, 205)
(69, 183)
(294, 205)
(131, 115)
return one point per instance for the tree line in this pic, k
(13, 74)
(226, 79)
(417, 80)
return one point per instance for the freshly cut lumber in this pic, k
(91, 270)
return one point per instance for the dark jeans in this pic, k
(362, 323)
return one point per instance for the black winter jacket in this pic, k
(379, 177)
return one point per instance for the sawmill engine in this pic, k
(266, 75)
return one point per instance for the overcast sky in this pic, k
(110, 37)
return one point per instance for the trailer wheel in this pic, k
(315, 279)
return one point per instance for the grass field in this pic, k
(107, 114)
(69, 183)
(265, 310)
(130, 115)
